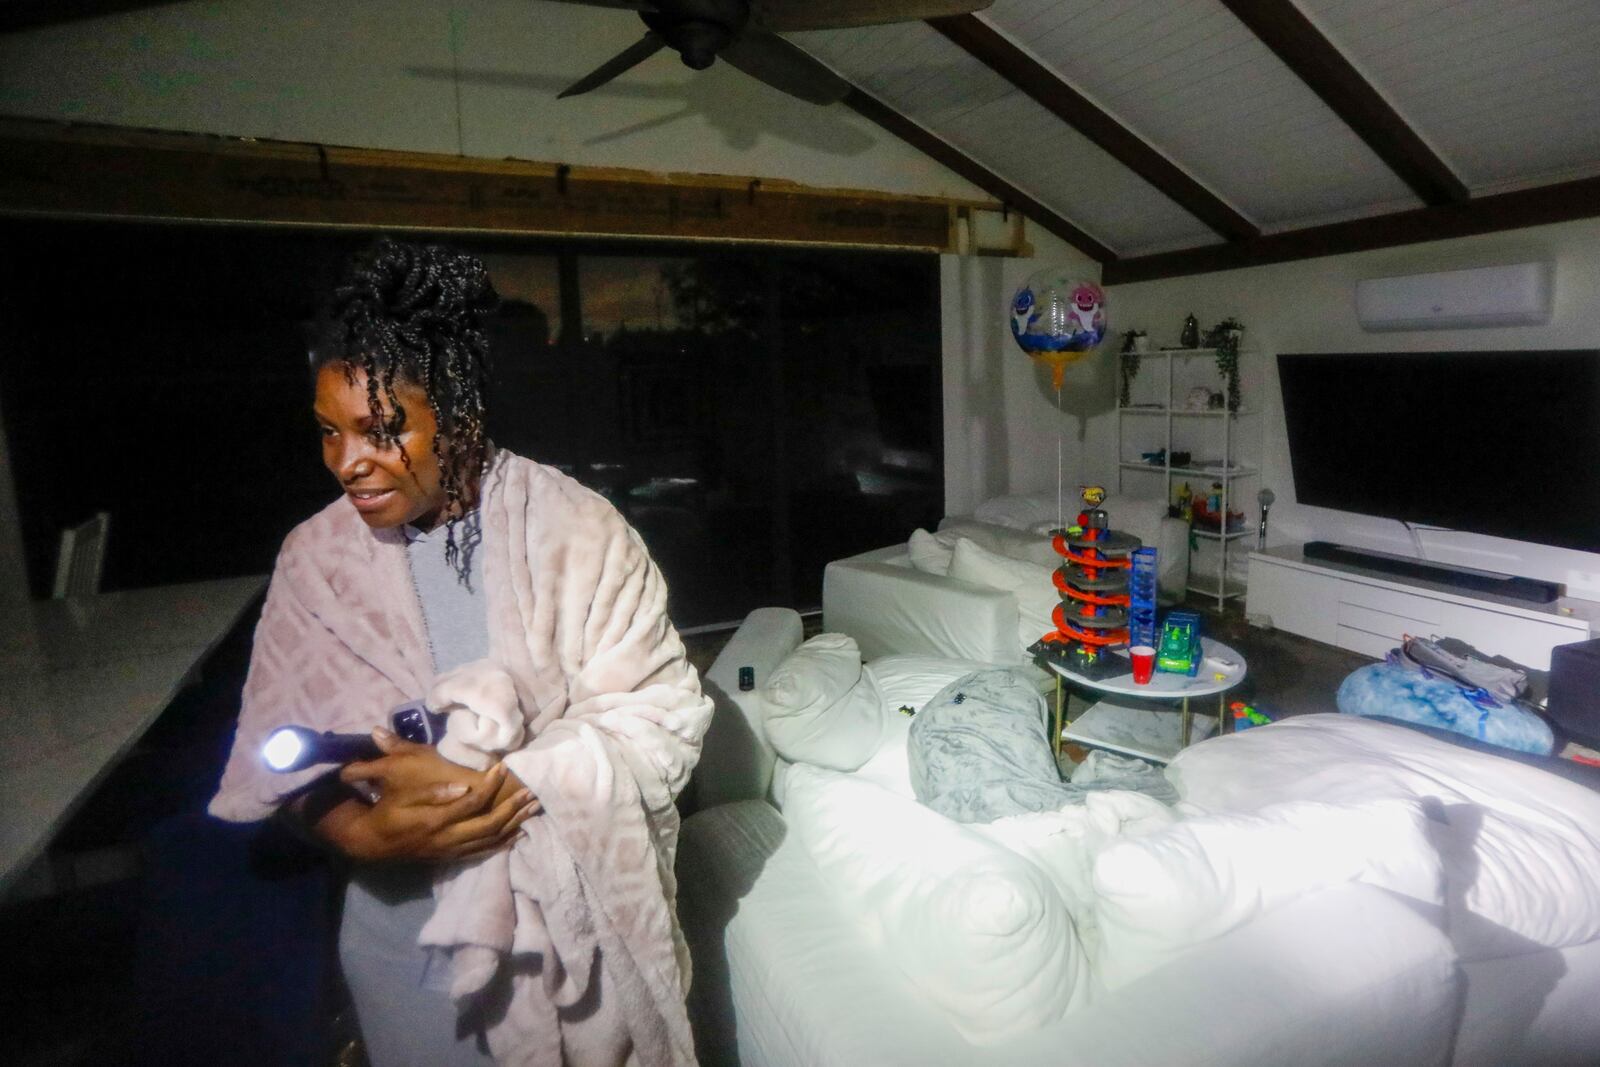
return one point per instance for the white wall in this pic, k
(470, 77)
(1002, 427)
(1310, 307)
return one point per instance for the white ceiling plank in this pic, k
(1504, 91)
(955, 96)
(1200, 88)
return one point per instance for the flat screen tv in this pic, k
(1498, 443)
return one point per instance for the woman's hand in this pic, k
(430, 809)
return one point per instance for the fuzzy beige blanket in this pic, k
(611, 718)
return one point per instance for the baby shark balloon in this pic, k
(1058, 320)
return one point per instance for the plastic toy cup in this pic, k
(1144, 663)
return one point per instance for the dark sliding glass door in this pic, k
(754, 412)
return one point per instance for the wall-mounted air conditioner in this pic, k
(1514, 295)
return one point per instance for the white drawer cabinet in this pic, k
(1298, 600)
(1370, 615)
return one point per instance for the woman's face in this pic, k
(371, 471)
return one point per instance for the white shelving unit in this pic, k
(1164, 416)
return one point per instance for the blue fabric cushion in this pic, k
(1384, 691)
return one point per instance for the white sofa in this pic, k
(889, 606)
(1347, 974)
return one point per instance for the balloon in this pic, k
(1057, 320)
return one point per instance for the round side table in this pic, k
(1149, 733)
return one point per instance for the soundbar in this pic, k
(1465, 578)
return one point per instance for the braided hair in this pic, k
(414, 313)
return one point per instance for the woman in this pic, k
(516, 899)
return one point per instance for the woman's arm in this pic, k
(429, 809)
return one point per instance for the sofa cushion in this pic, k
(1024, 511)
(1160, 894)
(977, 929)
(930, 553)
(821, 708)
(1002, 541)
(1031, 584)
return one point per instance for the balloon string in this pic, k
(1060, 510)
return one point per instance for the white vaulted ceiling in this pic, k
(917, 72)
(1202, 89)
(1504, 93)
(1507, 93)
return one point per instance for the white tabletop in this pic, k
(1221, 668)
(100, 671)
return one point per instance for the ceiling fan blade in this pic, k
(769, 58)
(629, 57)
(782, 16)
(621, 5)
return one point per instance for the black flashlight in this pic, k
(293, 748)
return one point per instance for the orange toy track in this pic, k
(1091, 562)
(1093, 638)
(1059, 543)
(1062, 587)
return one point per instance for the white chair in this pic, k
(82, 557)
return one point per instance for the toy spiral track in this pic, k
(1093, 583)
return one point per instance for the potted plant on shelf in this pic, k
(1225, 337)
(1134, 344)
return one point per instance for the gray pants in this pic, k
(402, 996)
(402, 999)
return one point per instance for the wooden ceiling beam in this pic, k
(1283, 28)
(995, 51)
(1538, 206)
(26, 14)
(931, 145)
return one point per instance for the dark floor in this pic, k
(1287, 675)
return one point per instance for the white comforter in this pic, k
(1503, 856)
(1520, 848)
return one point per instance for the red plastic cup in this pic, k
(1144, 663)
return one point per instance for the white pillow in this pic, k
(820, 707)
(1001, 540)
(912, 679)
(1035, 591)
(890, 766)
(1160, 894)
(930, 553)
(1022, 511)
(1064, 843)
(977, 929)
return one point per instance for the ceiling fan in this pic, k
(744, 33)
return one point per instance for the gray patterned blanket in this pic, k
(980, 750)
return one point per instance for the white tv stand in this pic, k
(1370, 613)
